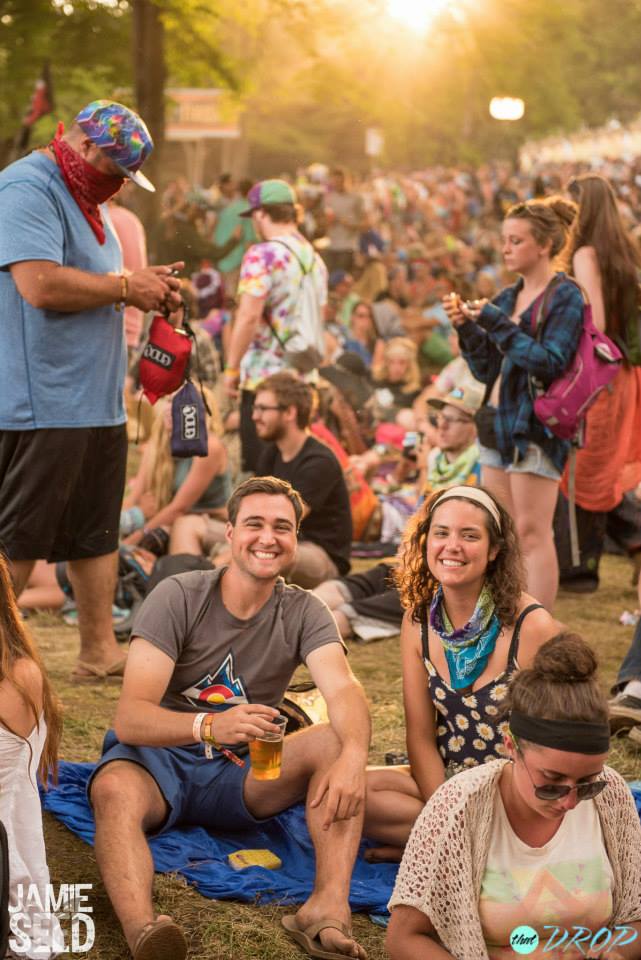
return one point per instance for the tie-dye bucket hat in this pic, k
(121, 135)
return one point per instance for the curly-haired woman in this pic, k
(468, 625)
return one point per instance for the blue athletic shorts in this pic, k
(198, 791)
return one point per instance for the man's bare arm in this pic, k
(344, 782)
(49, 286)
(141, 721)
(248, 316)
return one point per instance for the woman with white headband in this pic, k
(468, 625)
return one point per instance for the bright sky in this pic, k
(416, 14)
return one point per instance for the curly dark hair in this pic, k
(505, 574)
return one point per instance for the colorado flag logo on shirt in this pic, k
(222, 688)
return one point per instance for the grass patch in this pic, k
(233, 931)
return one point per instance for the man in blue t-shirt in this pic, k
(63, 442)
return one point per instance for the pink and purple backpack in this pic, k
(563, 405)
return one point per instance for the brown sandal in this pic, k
(309, 940)
(162, 939)
(94, 674)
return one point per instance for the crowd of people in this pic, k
(369, 357)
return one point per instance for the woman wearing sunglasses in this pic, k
(468, 625)
(521, 460)
(548, 839)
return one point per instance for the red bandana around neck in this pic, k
(87, 185)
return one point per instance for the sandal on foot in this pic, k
(95, 674)
(309, 940)
(161, 939)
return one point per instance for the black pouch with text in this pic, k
(188, 423)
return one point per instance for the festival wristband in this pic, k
(212, 744)
(197, 724)
(231, 372)
(207, 731)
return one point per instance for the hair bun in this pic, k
(566, 658)
(564, 209)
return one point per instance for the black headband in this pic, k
(575, 736)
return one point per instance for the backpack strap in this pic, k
(541, 317)
(304, 272)
(296, 257)
(540, 313)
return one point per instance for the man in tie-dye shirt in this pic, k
(269, 287)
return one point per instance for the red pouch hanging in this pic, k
(164, 360)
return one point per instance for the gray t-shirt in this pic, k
(222, 661)
(349, 209)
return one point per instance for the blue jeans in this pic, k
(630, 669)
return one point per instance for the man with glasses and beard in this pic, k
(281, 414)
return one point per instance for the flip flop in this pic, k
(160, 940)
(95, 674)
(308, 938)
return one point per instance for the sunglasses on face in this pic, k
(436, 420)
(556, 791)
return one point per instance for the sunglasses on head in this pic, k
(556, 791)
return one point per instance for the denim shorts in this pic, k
(198, 791)
(535, 461)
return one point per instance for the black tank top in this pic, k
(467, 732)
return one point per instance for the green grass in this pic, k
(231, 931)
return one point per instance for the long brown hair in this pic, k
(505, 576)
(16, 644)
(598, 224)
(371, 336)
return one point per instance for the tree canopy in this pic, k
(312, 75)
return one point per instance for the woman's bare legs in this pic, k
(42, 591)
(392, 804)
(498, 483)
(534, 500)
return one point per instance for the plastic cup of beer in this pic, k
(266, 751)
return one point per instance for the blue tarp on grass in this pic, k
(201, 857)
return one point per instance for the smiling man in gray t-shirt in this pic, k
(224, 644)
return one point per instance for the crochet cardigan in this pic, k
(445, 857)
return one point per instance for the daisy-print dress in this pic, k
(467, 729)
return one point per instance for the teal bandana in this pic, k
(467, 649)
